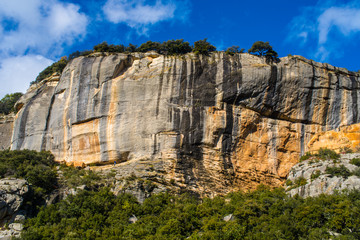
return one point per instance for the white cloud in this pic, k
(347, 20)
(42, 26)
(138, 14)
(323, 23)
(16, 73)
(31, 29)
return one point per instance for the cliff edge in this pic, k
(209, 123)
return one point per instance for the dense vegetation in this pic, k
(262, 214)
(170, 47)
(7, 103)
(95, 213)
(35, 167)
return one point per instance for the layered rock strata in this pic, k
(214, 123)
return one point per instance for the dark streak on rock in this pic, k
(308, 109)
(161, 79)
(354, 85)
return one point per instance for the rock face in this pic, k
(12, 192)
(6, 128)
(12, 195)
(318, 181)
(215, 123)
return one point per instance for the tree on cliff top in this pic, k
(174, 47)
(260, 48)
(234, 49)
(203, 47)
(7, 103)
(55, 67)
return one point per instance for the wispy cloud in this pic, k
(327, 25)
(39, 26)
(344, 19)
(138, 14)
(31, 30)
(17, 72)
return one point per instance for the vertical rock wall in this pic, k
(215, 123)
(6, 128)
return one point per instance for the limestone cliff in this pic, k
(6, 127)
(213, 123)
(317, 180)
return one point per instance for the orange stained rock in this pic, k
(348, 136)
(85, 142)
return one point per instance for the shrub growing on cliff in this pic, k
(355, 161)
(56, 67)
(234, 49)
(340, 171)
(73, 177)
(325, 154)
(306, 156)
(203, 47)
(315, 174)
(322, 153)
(7, 103)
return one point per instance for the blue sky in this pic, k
(35, 33)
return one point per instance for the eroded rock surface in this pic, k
(12, 194)
(318, 181)
(6, 129)
(212, 124)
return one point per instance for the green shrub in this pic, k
(234, 49)
(340, 171)
(56, 67)
(346, 150)
(150, 46)
(35, 167)
(300, 181)
(356, 172)
(325, 154)
(288, 182)
(315, 174)
(175, 47)
(355, 161)
(260, 214)
(7, 103)
(261, 48)
(74, 177)
(306, 156)
(203, 47)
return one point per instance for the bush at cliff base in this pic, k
(262, 214)
(35, 167)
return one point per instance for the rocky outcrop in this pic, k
(214, 123)
(12, 196)
(310, 178)
(6, 128)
